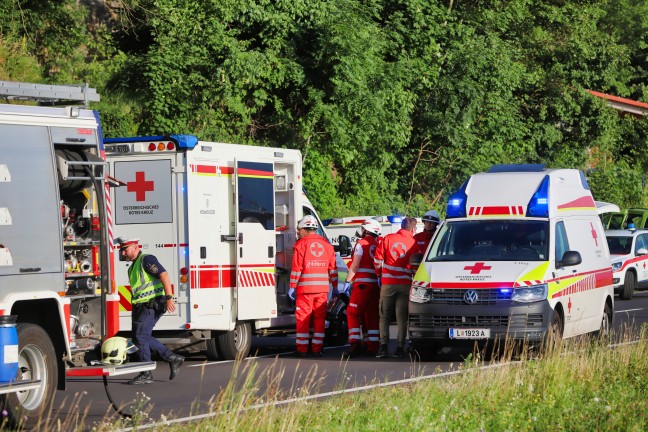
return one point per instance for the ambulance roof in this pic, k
(519, 191)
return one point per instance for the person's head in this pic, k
(128, 249)
(307, 225)
(371, 227)
(409, 223)
(431, 220)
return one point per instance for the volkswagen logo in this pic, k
(471, 297)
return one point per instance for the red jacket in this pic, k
(364, 250)
(392, 258)
(423, 239)
(313, 265)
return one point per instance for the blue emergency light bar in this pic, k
(457, 203)
(395, 219)
(516, 168)
(181, 141)
(539, 204)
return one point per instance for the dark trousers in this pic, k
(144, 319)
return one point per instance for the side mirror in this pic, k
(570, 258)
(343, 246)
(416, 259)
(642, 251)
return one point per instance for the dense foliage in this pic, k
(393, 103)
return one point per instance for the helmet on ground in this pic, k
(115, 349)
(372, 226)
(308, 222)
(431, 216)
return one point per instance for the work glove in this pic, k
(379, 281)
(291, 294)
(346, 288)
(335, 292)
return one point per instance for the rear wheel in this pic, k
(232, 344)
(606, 323)
(36, 361)
(629, 284)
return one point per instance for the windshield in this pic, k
(619, 245)
(524, 240)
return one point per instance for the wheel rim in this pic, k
(605, 323)
(32, 366)
(240, 337)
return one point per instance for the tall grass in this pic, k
(579, 386)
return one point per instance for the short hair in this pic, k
(409, 223)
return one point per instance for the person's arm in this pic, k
(168, 291)
(355, 263)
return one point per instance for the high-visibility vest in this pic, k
(392, 258)
(366, 273)
(313, 265)
(144, 287)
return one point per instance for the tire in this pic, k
(553, 337)
(629, 285)
(604, 331)
(36, 361)
(422, 352)
(234, 343)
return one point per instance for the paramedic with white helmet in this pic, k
(313, 269)
(362, 280)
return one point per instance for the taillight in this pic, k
(183, 273)
(152, 147)
(170, 146)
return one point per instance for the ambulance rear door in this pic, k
(255, 240)
(144, 208)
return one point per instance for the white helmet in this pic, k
(372, 226)
(308, 222)
(114, 350)
(431, 216)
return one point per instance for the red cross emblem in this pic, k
(317, 249)
(569, 305)
(398, 250)
(644, 265)
(140, 186)
(594, 235)
(477, 268)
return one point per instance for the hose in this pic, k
(116, 408)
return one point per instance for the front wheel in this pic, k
(232, 344)
(554, 334)
(629, 284)
(36, 361)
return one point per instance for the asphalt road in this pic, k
(199, 381)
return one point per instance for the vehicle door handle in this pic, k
(30, 269)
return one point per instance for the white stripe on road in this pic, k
(629, 310)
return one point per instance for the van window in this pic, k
(562, 244)
(641, 243)
(523, 240)
(256, 194)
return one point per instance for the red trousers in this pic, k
(311, 308)
(362, 315)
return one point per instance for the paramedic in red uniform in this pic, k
(392, 265)
(313, 269)
(362, 282)
(431, 221)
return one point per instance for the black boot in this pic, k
(142, 378)
(382, 352)
(175, 361)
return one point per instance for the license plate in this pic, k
(468, 333)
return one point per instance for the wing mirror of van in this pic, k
(570, 258)
(415, 259)
(642, 251)
(343, 246)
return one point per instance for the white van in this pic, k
(522, 252)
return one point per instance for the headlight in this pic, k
(529, 294)
(420, 295)
(617, 266)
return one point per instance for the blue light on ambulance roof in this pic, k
(457, 203)
(181, 141)
(539, 203)
(395, 219)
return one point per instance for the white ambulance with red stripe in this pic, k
(221, 218)
(522, 254)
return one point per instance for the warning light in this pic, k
(184, 271)
(161, 146)
(152, 147)
(170, 146)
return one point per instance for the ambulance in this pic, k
(221, 218)
(521, 255)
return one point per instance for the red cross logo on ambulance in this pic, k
(317, 249)
(140, 186)
(398, 250)
(477, 268)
